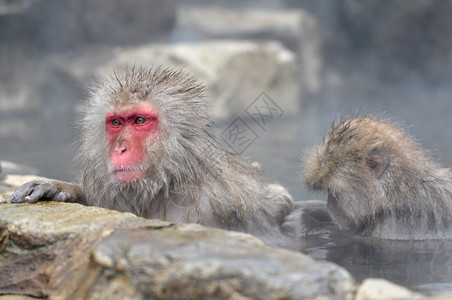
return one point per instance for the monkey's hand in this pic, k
(52, 190)
(308, 217)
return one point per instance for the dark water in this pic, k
(424, 266)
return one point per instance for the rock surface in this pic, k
(69, 251)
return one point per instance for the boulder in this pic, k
(237, 72)
(70, 251)
(45, 247)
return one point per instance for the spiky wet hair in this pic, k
(352, 139)
(413, 186)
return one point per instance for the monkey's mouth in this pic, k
(332, 204)
(336, 212)
(124, 176)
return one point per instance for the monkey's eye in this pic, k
(372, 164)
(115, 122)
(140, 120)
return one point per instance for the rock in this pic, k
(69, 251)
(237, 72)
(298, 30)
(195, 262)
(45, 247)
(375, 289)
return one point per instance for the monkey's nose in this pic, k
(120, 149)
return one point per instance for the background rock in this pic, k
(236, 72)
(297, 30)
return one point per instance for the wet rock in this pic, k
(45, 247)
(195, 262)
(237, 72)
(69, 251)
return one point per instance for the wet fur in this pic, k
(411, 199)
(190, 178)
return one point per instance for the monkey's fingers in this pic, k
(22, 194)
(47, 191)
(34, 191)
(293, 224)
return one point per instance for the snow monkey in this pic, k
(380, 182)
(146, 147)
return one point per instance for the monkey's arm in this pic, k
(52, 190)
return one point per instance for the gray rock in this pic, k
(195, 262)
(296, 29)
(69, 251)
(237, 72)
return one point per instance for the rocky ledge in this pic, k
(69, 251)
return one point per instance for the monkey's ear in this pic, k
(376, 162)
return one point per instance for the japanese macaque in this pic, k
(380, 183)
(146, 148)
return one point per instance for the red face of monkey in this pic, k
(127, 133)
